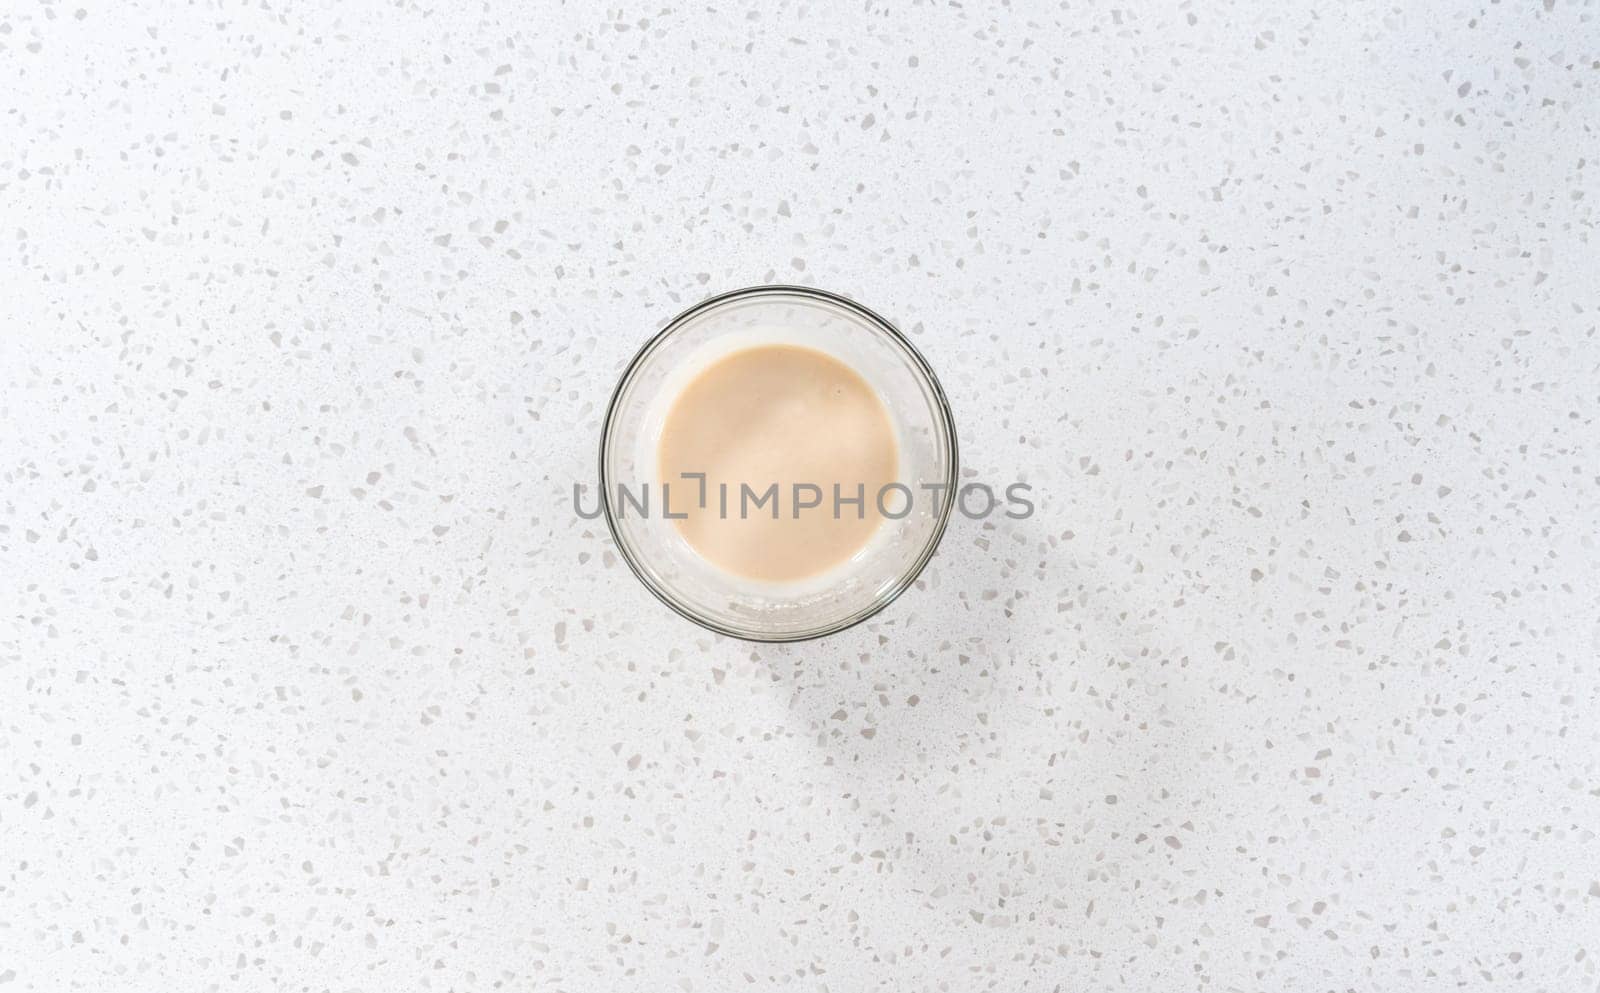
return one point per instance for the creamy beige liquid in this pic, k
(778, 414)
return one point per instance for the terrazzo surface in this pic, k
(310, 679)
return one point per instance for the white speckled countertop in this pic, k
(310, 680)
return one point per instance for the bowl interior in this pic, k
(817, 605)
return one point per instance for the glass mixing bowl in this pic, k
(844, 595)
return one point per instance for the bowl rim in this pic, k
(942, 409)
